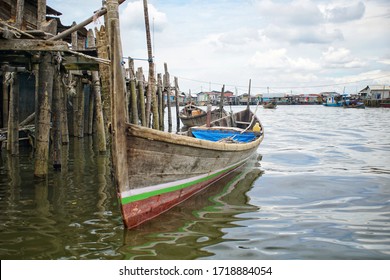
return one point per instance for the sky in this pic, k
(281, 46)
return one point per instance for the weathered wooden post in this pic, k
(160, 101)
(56, 121)
(64, 116)
(151, 93)
(104, 72)
(13, 117)
(140, 78)
(19, 13)
(133, 93)
(97, 100)
(6, 76)
(249, 95)
(177, 105)
(41, 13)
(119, 154)
(78, 109)
(221, 102)
(167, 88)
(45, 88)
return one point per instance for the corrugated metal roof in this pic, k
(376, 87)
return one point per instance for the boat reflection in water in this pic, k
(187, 230)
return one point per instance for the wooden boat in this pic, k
(192, 115)
(269, 105)
(165, 169)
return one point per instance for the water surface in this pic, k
(321, 190)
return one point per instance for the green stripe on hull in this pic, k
(129, 199)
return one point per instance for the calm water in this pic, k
(320, 190)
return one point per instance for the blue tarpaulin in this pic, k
(216, 135)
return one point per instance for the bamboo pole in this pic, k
(133, 93)
(167, 88)
(140, 78)
(45, 88)
(177, 104)
(13, 118)
(119, 154)
(56, 122)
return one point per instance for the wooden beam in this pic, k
(32, 45)
(76, 27)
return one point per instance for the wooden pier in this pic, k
(78, 83)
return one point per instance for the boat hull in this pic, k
(165, 169)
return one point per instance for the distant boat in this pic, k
(192, 115)
(385, 103)
(269, 105)
(334, 100)
(165, 169)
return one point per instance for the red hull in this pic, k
(138, 212)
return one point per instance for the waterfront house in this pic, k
(374, 95)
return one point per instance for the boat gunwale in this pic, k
(183, 140)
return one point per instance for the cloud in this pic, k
(340, 58)
(297, 12)
(351, 12)
(132, 17)
(277, 59)
(307, 35)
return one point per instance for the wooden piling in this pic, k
(45, 88)
(249, 94)
(13, 117)
(167, 89)
(177, 104)
(97, 101)
(222, 99)
(64, 116)
(6, 75)
(78, 109)
(161, 105)
(105, 76)
(151, 94)
(56, 122)
(140, 85)
(102, 142)
(133, 93)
